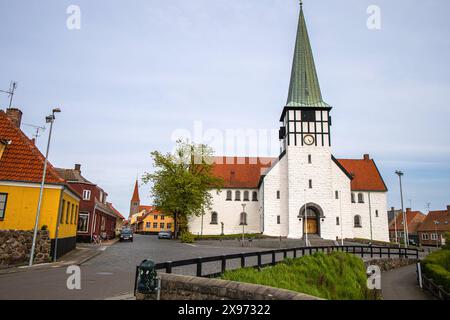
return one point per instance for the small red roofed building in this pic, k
(435, 225)
(414, 219)
(96, 218)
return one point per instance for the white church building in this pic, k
(305, 191)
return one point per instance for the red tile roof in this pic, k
(146, 208)
(441, 216)
(22, 161)
(241, 172)
(366, 176)
(246, 172)
(413, 218)
(118, 214)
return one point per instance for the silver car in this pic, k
(165, 235)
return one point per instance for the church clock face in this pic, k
(309, 140)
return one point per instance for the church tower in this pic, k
(306, 142)
(135, 200)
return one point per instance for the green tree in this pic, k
(181, 182)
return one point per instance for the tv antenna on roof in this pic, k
(38, 129)
(12, 89)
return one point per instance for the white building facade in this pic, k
(305, 191)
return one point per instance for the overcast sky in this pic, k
(137, 71)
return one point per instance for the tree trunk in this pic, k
(175, 224)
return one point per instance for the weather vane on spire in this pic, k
(301, 3)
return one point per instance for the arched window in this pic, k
(246, 196)
(360, 198)
(243, 219)
(353, 198)
(376, 213)
(237, 196)
(357, 221)
(255, 196)
(214, 217)
(229, 195)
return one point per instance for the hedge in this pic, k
(437, 267)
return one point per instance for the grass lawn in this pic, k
(336, 276)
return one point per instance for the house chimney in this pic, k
(448, 208)
(15, 115)
(78, 167)
(392, 209)
(408, 209)
(367, 157)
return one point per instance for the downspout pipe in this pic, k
(55, 251)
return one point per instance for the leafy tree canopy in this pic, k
(182, 180)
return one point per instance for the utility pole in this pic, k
(49, 119)
(405, 222)
(243, 223)
(370, 220)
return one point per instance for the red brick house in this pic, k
(96, 217)
(436, 224)
(414, 220)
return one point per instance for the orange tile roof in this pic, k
(442, 216)
(22, 161)
(246, 172)
(241, 172)
(366, 176)
(413, 218)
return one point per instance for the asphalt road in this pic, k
(108, 275)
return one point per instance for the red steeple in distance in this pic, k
(136, 193)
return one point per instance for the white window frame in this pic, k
(87, 221)
(87, 194)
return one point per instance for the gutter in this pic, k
(57, 223)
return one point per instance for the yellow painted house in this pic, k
(21, 167)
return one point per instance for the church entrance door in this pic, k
(312, 222)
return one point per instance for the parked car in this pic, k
(126, 235)
(165, 235)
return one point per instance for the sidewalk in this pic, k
(401, 284)
(78, 256)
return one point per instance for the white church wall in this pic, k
(380, 229)
(300, 171)
(341, 207)
(229, 212)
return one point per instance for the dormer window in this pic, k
(3, 145)
(87, 195)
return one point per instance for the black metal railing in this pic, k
(363, 251)
(434, 288)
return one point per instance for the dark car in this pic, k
(126, 235)
(165, 235)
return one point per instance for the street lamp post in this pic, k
(340, 218)
(405, 223)
(49, 119)
(243, 223)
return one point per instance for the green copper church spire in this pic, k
(304, 89)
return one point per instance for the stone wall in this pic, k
(178, 287)
(15, 247)
(390, 264)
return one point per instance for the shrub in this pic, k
(437, 267)
(187, 237)
(44, 227)
(447, 241)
